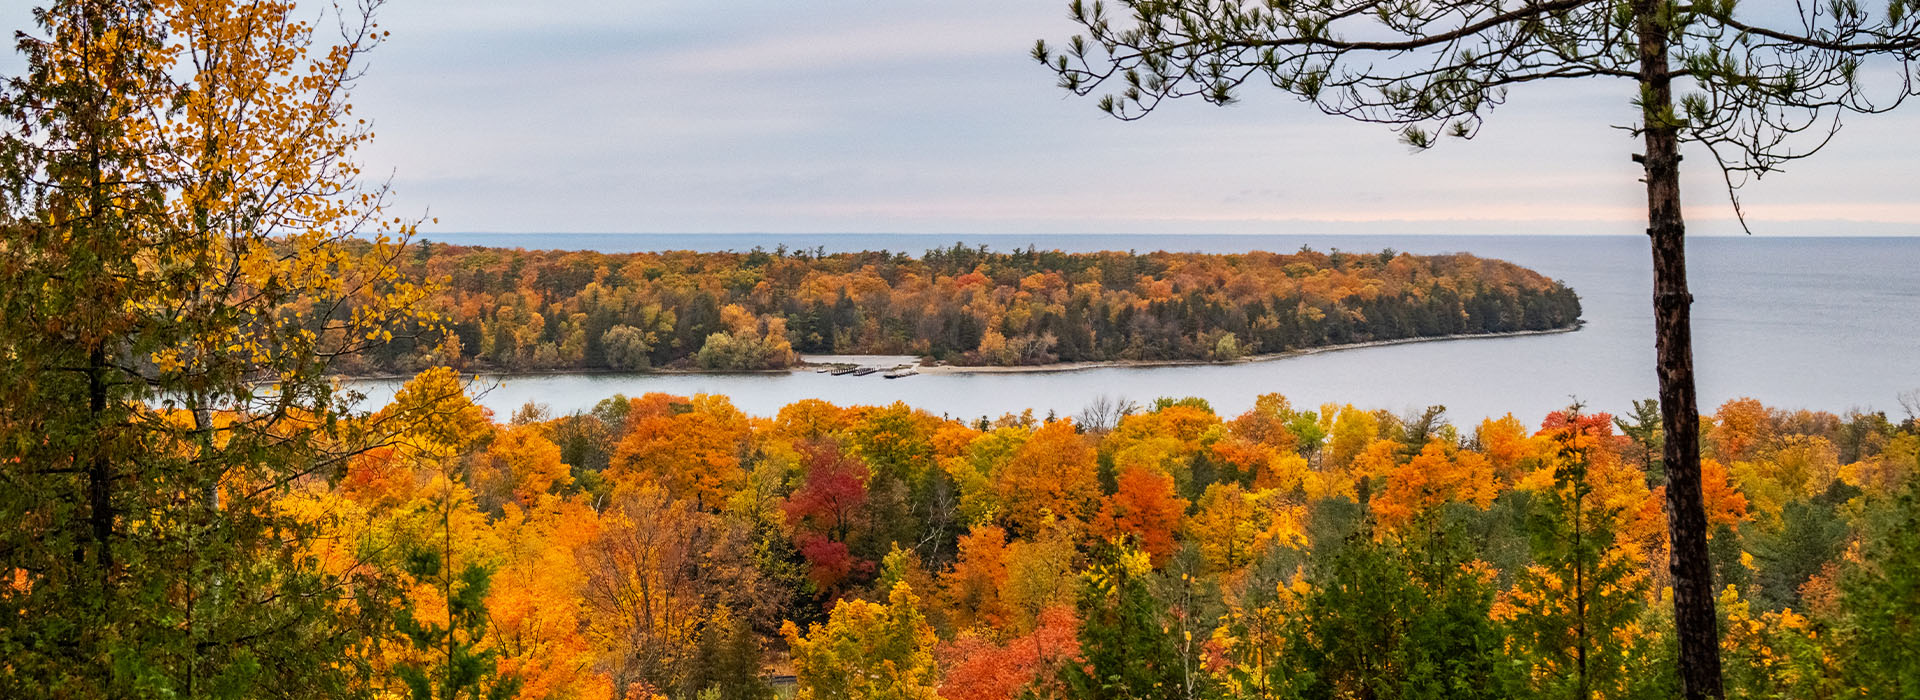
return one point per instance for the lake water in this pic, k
(1821, 323)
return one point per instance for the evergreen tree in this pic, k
(1127, 646)
(451, 660)
(1880, 601)
(1811, 534)
(728, 663)
(1387, 618)
(1644, 431)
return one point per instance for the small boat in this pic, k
(845, 370)
(864, 371)
(899, 372)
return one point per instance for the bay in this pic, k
(1818, 323)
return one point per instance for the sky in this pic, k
(917, 116)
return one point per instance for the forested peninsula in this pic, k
(505, 309)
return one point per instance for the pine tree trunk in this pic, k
(1693, 599)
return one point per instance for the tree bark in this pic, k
(1693, 600)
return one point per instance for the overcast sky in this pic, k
(921, 116)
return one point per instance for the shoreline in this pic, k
(1006, 369)
(1264, 357)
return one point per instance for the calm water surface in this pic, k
(1819, 323)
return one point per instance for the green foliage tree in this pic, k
(1752, 79)
(1389, 618)
(727, 351)
(1811, 534)
(1127, 648)
(728, 662)
(1644, 431)
(1880, 600)
(181, 222)
(750, 342)
(440, 581)
(627, 347)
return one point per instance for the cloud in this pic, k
(878, 47)
(852, 115)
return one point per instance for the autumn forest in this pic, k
(511, 309)
(195, 503)
(672, 545)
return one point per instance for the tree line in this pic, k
(513, 309)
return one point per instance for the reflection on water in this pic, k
(1817, 323)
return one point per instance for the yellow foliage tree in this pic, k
(536, 612)
(1234, 527)
(1506, 444)
(867, 651)
(187, 256)
(525, 465)
(1352, 431)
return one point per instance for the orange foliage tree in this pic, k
(1052, 474)
(1146, 510)
(692, 454)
